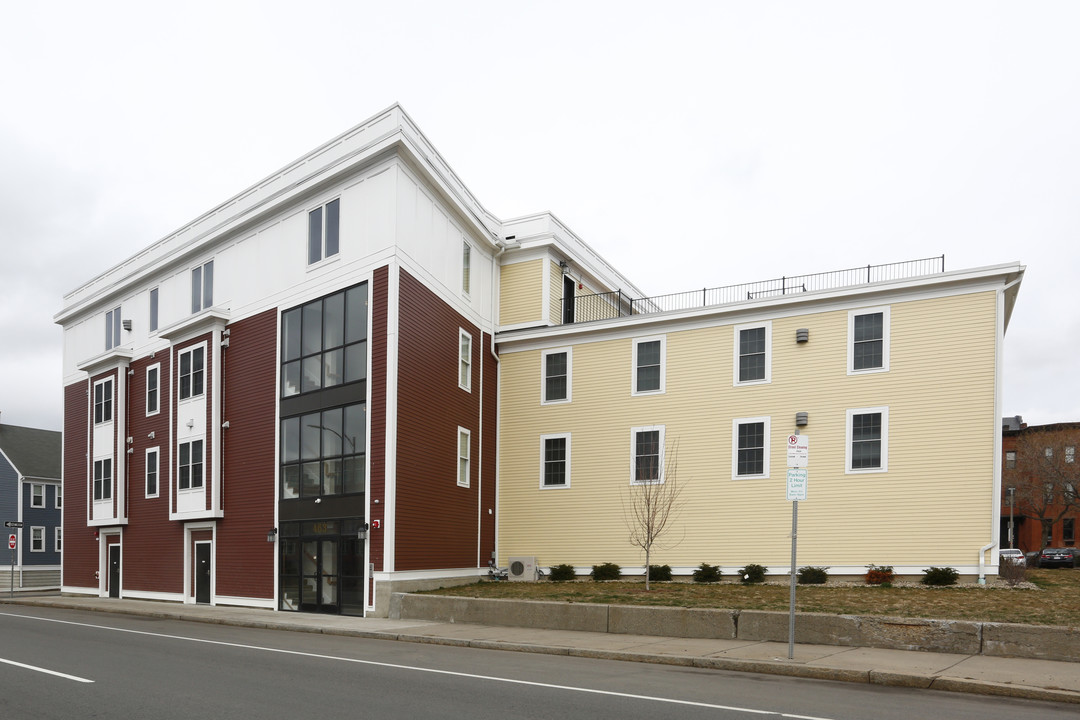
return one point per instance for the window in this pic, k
(465, 360)
(323, 453)
(1068, 531)
(112, 329)
(58, 536)
(202, 287)
(37, 495)
(1048, 491)
(1047, 532)
(59, 496)
(153, 385)
(868, 440)
(868, 340)
(647, 454)
(1049, 452)
(192, 372)
(555, 460)
(1070, 453)
(190, 465)
(103, 479)
(153, 310)
(1070, 493)
(464, 438)
(649, 365)
(37, 539)
(103, 392)
(556, 366)
(753, 354)
(152, 468)
(466, 267)
(324, 342)
(323, 231)
(1010, 459)
(750, 447)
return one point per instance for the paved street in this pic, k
(61, 663)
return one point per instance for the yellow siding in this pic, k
(555, 279)
(521, 294)
(933, 506)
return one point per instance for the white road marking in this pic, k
(43, 670)
(671, 701)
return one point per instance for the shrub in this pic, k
(660, 573)
(1012, 572)
(562, 573)
(606, 571)
(753, 573)
(706, 573)
(939, 576)
(879, 575)
(813, 575)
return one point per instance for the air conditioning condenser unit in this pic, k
(522, 569)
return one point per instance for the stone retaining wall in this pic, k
(945, 636)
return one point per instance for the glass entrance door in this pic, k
(319, 582)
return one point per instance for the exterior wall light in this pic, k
(271, 536)
(802, 419)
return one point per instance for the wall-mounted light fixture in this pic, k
(802, 335)
(127, 324)
(564, 267)
(802, 419)
(271, 535)
(151, 435)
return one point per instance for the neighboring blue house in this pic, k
(31, 492)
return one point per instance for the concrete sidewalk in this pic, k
(1008, 677)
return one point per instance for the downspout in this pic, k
(490, 349)
(996, 503)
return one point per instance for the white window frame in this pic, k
(851, 413)
(33, 496)
(155, 368)
(112, 328)
(463, 481)
(58, 538)
(111, 398)
(190, 350)
(633, 454)
(569, 375)
(886, 323)
(106, 480)
(663, 366)
(1010, 459)
(1070, 453)
(737, 355)
(464, 360)
(735, 423)
(323, 231)
(156, 452)
(466, 268)
(204, 302)
(58, 497)
(191, 488)
(543, 459)
(154, 308)
(40, 531)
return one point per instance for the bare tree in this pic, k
(651, 505)
(1046, 476)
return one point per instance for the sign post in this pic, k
(798, 457)
(13, 542)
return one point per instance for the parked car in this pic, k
(1013, 555)
(1058, 557)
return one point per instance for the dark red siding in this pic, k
(377, 411)
(436, 520)
(244, 559)
(80, 546)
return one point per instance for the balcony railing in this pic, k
(605, 306)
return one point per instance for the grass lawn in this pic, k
(1052, 597)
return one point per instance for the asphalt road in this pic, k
(67, 664)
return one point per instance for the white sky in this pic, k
(760, 138)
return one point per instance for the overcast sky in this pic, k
(691, 144)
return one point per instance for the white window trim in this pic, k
(569, 375)
(466, 285)
(58, 497)
(42, 529)
(884, 410)
(467, 384)
(43, 492)
(323, 257)
(768, 354)
(156, 451)
(663, 365)
(58, 538)
(157, 410)
(113, 333)
(543, 460)
(735, 423)
(206, 362)
(154, 323)
(112, 401)
(885, 333)
(457, 454)
(633, 454)
(190, 488)
(201, 267)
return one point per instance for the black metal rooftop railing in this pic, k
(605, 306)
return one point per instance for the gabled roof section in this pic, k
(34, 453)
